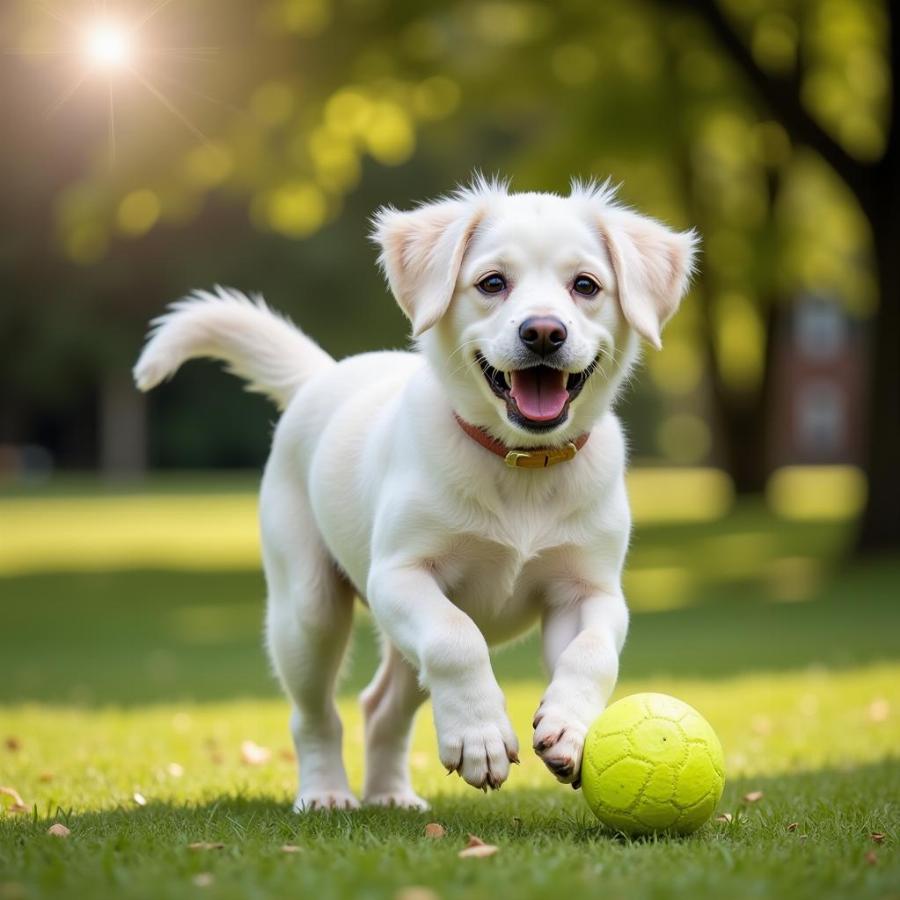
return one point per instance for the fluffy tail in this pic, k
(264, 348)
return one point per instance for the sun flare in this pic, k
(108, 45)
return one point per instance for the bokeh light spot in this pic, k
(138, 212)
(296, 209)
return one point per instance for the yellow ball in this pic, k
(652, 763)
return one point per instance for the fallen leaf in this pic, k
(872, 858)
(57, 829)
(46, 776)
(289, 848)
(140, 799)
(254, 755)
(175, 770)
(12, 799)
(203, 879)
(727, 818)
(287, 755)
(13, 743)
(434, 830)
(877, 837)
(206, 845)
(793, 826)
(416, 893)
(761, 725)
(477, 852)
(753, 797)
(477, 849)
(879, 710)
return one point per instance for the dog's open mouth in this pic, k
(538, 397)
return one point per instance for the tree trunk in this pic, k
(879, 528)
(742, 420)
(123, 426)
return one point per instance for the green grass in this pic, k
(109, 678)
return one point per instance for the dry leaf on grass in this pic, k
(254, 755)
(753, 797)
(477, 849)
(727, 818)
(203, 879)
(12, 743)
(761, 725)
(46, 776)
(879, 710)
(57, 829)
(434, 830)
(12, 800)
(872, 858)
(139, 798)
(415, 892)
(289, 848)
(206, 845)
(877, 837)
(793, 826)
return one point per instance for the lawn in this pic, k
(127, 690)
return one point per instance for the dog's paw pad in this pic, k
(559, 742)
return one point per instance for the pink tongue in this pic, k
(540, 393)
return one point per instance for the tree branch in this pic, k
(782, 96)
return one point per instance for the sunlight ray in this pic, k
(50, 11)
(112, 124)
(165, 101)
(67, 95)
(153, 11)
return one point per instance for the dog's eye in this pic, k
(492, 284)
(585, 286)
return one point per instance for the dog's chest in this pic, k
(495, 584)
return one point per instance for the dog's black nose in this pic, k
(543, 334)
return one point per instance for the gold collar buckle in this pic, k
(540, 459)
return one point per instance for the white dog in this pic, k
(466, 490)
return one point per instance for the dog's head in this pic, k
(529, 306)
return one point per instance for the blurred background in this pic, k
(155, 146)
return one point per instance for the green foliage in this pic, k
(254, 141)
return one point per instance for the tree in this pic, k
(875, 183)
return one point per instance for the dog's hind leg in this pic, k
(389, 705)
(310, 610)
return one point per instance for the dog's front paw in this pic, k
(322, 801)
(475, 739)
(559, 742)
(401, 799)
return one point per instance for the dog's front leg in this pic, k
(475, 737)
(581, 641)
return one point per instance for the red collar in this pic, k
(526, 458)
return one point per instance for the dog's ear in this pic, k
(653, 267)
(421, 254)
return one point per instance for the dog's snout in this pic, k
(543, 334)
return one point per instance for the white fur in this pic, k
(373, 489)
